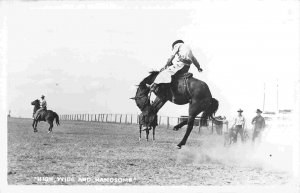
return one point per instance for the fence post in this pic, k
(115, 118)
(199, 125)
(167, 122)
(131, 119)
(106, 118)
(159, 120)
(126, 119)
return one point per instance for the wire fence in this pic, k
(167, 121)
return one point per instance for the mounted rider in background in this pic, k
(43, 107)
(180, 60)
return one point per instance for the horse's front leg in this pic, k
(35, 126)
(147, 133)
(140, 132)
(153, 133)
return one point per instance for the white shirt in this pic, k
(43, 103)
(239, 120)
(184, 53)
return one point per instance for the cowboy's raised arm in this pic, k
(174, 52)
(196, 63)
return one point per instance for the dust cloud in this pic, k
(278, 149)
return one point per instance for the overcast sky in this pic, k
(86, 57)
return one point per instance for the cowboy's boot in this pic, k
(153, 87)
(173, 95)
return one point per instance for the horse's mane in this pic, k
(145, 80)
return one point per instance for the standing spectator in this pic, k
(259, 124)
(239, 125)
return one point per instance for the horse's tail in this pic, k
(210, 111)
(56, 118)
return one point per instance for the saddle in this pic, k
(179, 84)
(41, 114)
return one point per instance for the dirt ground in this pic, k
(89, 153)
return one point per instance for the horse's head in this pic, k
(36, 102)
(141, 97)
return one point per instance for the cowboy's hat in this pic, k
(42, 96)
(240, 110)
(258, 111)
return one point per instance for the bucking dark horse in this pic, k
(183, 89)
(44, 115)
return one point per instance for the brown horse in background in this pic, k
(44, 115)
(152, 125)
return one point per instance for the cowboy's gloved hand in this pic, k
(162, 69)
(200, 70)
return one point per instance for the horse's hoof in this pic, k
(175, 129)
(49, 131)
(139, 139)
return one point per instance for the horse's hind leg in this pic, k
(177, 127)
(51, 126)
(194, 109)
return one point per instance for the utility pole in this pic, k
(264, 99)
(277, 95)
